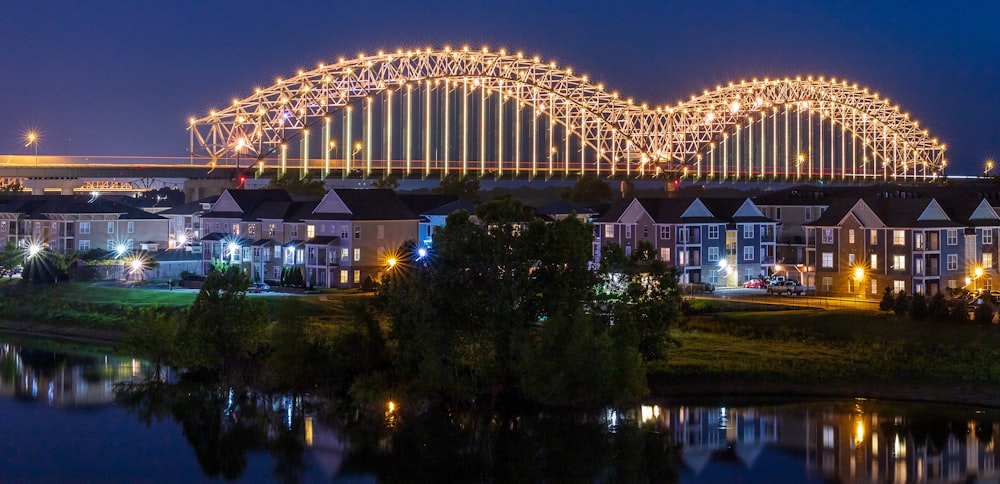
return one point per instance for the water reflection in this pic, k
(247, 435)
(62, 378)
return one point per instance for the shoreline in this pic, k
(678, 392)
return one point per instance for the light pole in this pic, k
(32, 139)
(357, 149)
(859, 275)
(989, 168)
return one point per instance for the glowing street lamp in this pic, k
(859, 275)
(120, 250)
(31, 138)
(989, 167)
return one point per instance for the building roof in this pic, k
(452, 207)
(421, 203)
(323, 240)
(190, 208)
(562, 207)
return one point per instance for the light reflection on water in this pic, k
(244, 435)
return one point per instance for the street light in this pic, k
(32, 139)
(859, 275)
(357, 149)
(989, 167)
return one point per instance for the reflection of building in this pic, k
(843, 443)
(64, 380)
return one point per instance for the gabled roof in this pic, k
(323, 240)
(361, 204)
(44, 206)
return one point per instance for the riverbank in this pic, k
(744, 353)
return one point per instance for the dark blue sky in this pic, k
(121, 77)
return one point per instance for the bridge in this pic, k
(426, 112)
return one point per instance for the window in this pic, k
(665, 232)
(682, 257)
(270, 230)
(295, 231)
(628, 231)
(918, 240)
(987, 237)
(899, 262)
(277, 252)
(252, 230)
(713, 231)
(609, 231)
(952, 236)
(898, 286)
(83, 245)
(777, 213)
(357, 254)
(343, 277)
(898, 237)
(357, 276)
(130, 227)
(310, 231)
(713, 276)
(987, 260)
(809, 214)
(357, 231)
(873, 265)
(665, 254)
(747, 231)
(952, 262)
(850, 259)
(828, 436)
(873, 237)
(628, 251)
(111, 227)
(918, 266)
(874, 286)
(343, 254)
(682, 235)
(3, 226)
(827, 235)
(84, 227)
(236, 229)
(850, 236)
(827, 260)
(713, 254)
(952, 284)
(748, 253)
(827, 284)
(381, 232)
(850, 284)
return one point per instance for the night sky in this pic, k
(121, 77)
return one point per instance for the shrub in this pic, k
(937, 307)
(887, 300)
(918, 308)
(984, 312)
(900, 304)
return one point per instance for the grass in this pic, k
(848, 349)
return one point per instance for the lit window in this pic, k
(827, 236)
(827, 259)
(898, 286)
(898, 237)
(987, 260)
(899, 262)
(357, 276)
(874, 286)
(850, 236)
(609, 231)
(343, 277)
(357, 255)
(874, 262)
(873, 237)
(665, 254)
(310, 231)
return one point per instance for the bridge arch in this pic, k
(482, 112)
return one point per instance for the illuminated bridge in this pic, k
(492, 113)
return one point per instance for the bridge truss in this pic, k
(435, 112)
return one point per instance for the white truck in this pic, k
(787, 288)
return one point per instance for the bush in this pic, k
(900, 304)
(918, 308)
(937, 308)
(984, 312)
(958, 313)
(887, 300)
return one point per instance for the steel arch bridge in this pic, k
(490, 113)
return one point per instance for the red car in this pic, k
(755, 283)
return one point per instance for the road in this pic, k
(759, 296)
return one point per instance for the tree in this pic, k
(588, 190)
(900, 303)
(463, 187)
(918, 308)
(958, 313)
(887, 300)
(388, 182)
(223, 327)
(484, 314)
(292, 183)
(10, 256)
(153, 335)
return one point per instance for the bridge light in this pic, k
(191, 120)
(465, 48)
(503, 51)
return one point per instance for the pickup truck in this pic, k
(787, 288)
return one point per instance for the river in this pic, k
(73, 413)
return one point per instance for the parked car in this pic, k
(787, 288)
(259, 287)
(755, 283)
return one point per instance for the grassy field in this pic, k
(112, 308)
(836, 350)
